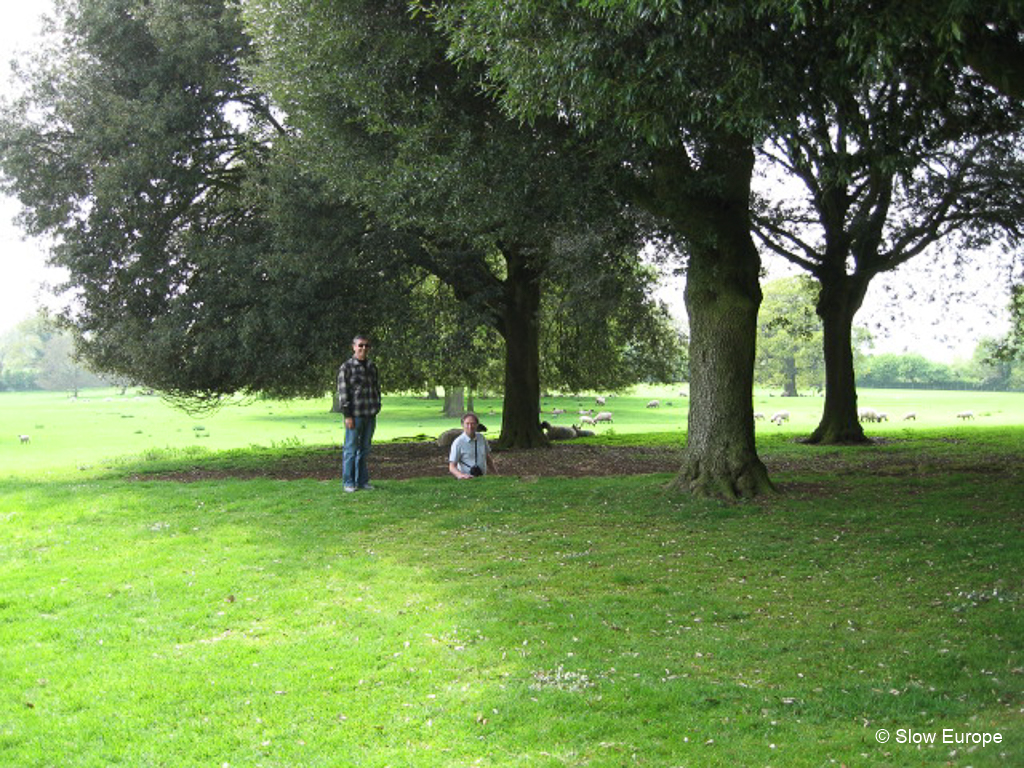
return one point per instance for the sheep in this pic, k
(584, 432)
(965, 415)
(867, 414)
(758, 416)
(653, 404)
(779, 417)
(587, 420)
(603, 416)
(585, 411)
(446, 438)
(910, 416)
(601, 401)
(25, 439)
(557, 411)
(883, 416)
(558, 433)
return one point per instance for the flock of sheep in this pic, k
(863, 414)
(589, 418)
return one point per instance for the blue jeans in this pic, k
(354, 470)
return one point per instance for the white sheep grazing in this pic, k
(557, 411)
(587, 420)
(601, 401)
(585, 411)
(883, 416)
(758, 416)
(910, 416)
(24, 439)
(603, 416)
(867, 414)
(558, 433)
(654, 404)
(780, 417)
(965, 415)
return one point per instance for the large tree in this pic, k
(892, 160)
(138, 147)
(683, 94)
(395, 127)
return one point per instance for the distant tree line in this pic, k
(36, 355)
(790, 355)
(913, 371)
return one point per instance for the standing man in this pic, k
(359, 399)
(470, 456)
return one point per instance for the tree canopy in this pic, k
(504, 211)
(890, 164)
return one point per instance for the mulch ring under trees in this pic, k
(409, 460)
(405, 461)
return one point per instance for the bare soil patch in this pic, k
(405, 461)
(409, 460)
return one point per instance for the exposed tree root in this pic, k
(724, 480)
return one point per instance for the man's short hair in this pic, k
(468, 414)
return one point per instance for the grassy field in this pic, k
(554, 622)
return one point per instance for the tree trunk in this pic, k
(722, 299)
(454, 402)
(789, 372)
(838, 302)
(520, 420)
(709, 205)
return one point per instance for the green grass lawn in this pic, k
(554, 622)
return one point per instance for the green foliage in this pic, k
(1011, 348)
(38, 355)
(659, 72)
(984, 36)
(789, 341)
(912, 370)
(601, 330)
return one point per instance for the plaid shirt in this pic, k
(358, 388)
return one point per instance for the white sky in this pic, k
(22, 263)
(942, 327)
(924, 307)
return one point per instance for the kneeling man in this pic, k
(470, 455)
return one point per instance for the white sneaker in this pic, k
(350, 489)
